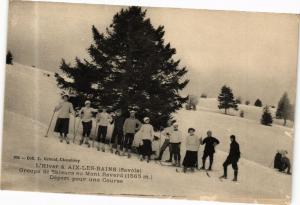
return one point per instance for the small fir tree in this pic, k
(266, 118)
(226, 99)
(258, 103)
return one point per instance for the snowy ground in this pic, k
(29, 101)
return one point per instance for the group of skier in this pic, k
(126, 131)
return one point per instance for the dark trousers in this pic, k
(146, 148)
(175, 151)
(86, 126)
(117, 138)
(101, 135)
(211, 159)
(165, 145)
(128, 140)
(233, 161)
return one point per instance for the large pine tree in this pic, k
(284, 109)
(131, 67)
(226, 99)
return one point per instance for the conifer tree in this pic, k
(258, 103)
(226, 99)
(266, 118)
(284, 109)
(131, 67)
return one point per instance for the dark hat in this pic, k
(191, 129)
(232, 137)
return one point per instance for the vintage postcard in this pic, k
(154, 102)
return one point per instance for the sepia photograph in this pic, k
(150, 102)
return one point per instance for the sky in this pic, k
(253, 53)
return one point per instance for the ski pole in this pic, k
(271, 164)
(95, 134)
(74, 125)
(50, 124)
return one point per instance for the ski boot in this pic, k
(169, 160)
(129, 155)
(184, 169)
(81, 142)
(223, 177)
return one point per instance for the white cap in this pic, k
(146, 119)
(87, 102)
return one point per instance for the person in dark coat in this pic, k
(232, 158)
(282, 162)
(117, 137)
(209, 150)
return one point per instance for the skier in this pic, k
(117, 134)
(209, 150)
(166, 143)
(86, 114)
(62, 123)
(175, 142)
(232, 158)
(146, 135)
(282, 162)
(191, 156)
(131, 126)
(103, 120)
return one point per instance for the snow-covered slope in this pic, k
(250, 111)
(31, 96)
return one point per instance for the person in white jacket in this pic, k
(192, 146)
(175, 142)
(86, 116)
(146, 135)
(64, 109)
(103, 120)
